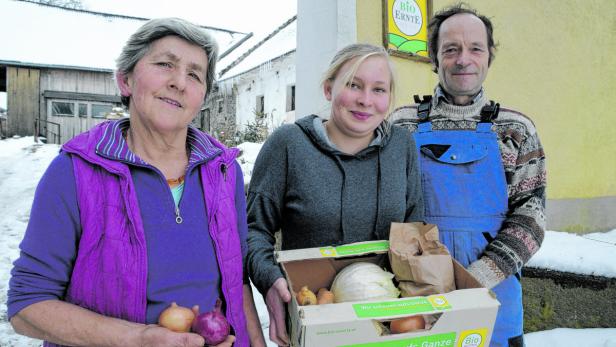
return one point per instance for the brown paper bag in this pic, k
(421, 263)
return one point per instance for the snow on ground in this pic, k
(590, 254)
(247, 158)
(22, 162)
(572, 337)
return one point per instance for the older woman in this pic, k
(138, 213)
(329, 182)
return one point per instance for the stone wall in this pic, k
(218, 116)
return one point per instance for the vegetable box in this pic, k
(461, 318)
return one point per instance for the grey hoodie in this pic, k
(319, 196)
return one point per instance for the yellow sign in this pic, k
(406, 28)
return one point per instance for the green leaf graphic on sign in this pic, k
(413, 46)
(396, 40)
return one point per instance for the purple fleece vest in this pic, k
(110, 272)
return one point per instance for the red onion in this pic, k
(213, 325)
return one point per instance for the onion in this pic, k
(407, 324)
(213, 325)
(324, 296)
(176, 318)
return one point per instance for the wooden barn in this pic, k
(57, 67)
(59, 102)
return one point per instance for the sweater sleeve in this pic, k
(49, 247)
(265, 203)
(523, 229)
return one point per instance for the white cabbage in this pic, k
(363, 281)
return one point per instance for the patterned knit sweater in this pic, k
(524, 163)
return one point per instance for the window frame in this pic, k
(290, 98)
(91, 107)
(68, 102)
(260, 104)
(79, 104)
(76, 104)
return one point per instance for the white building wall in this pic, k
(271, 80)
(323, 27)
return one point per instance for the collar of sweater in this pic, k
(439, 93)
(458, 112)
(112, 145)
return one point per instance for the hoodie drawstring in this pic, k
(378, 196)
(341, 167)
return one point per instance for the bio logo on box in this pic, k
(439, 302)
(473, 338)
(328, 251)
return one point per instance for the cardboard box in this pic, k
(465, 316)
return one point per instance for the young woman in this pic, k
(330, 182)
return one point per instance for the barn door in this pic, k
(22, 100)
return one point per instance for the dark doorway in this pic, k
(2, 78)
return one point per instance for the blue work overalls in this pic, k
(465, 195)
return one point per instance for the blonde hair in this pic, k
(358, 52)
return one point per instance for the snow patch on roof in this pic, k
(51, 36)
(260, 50)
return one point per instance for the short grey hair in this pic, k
(139, 44)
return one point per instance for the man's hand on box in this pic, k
(276, 297)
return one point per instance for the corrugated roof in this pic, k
(42, 35)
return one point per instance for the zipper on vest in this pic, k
(223, 169)
(178, 218)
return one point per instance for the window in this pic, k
(62, 109)
(101, 110)
(220, 105)
(83, 110)
(291, 98)
(260, 108)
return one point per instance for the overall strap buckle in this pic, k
(424, 107)
(489, 112)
